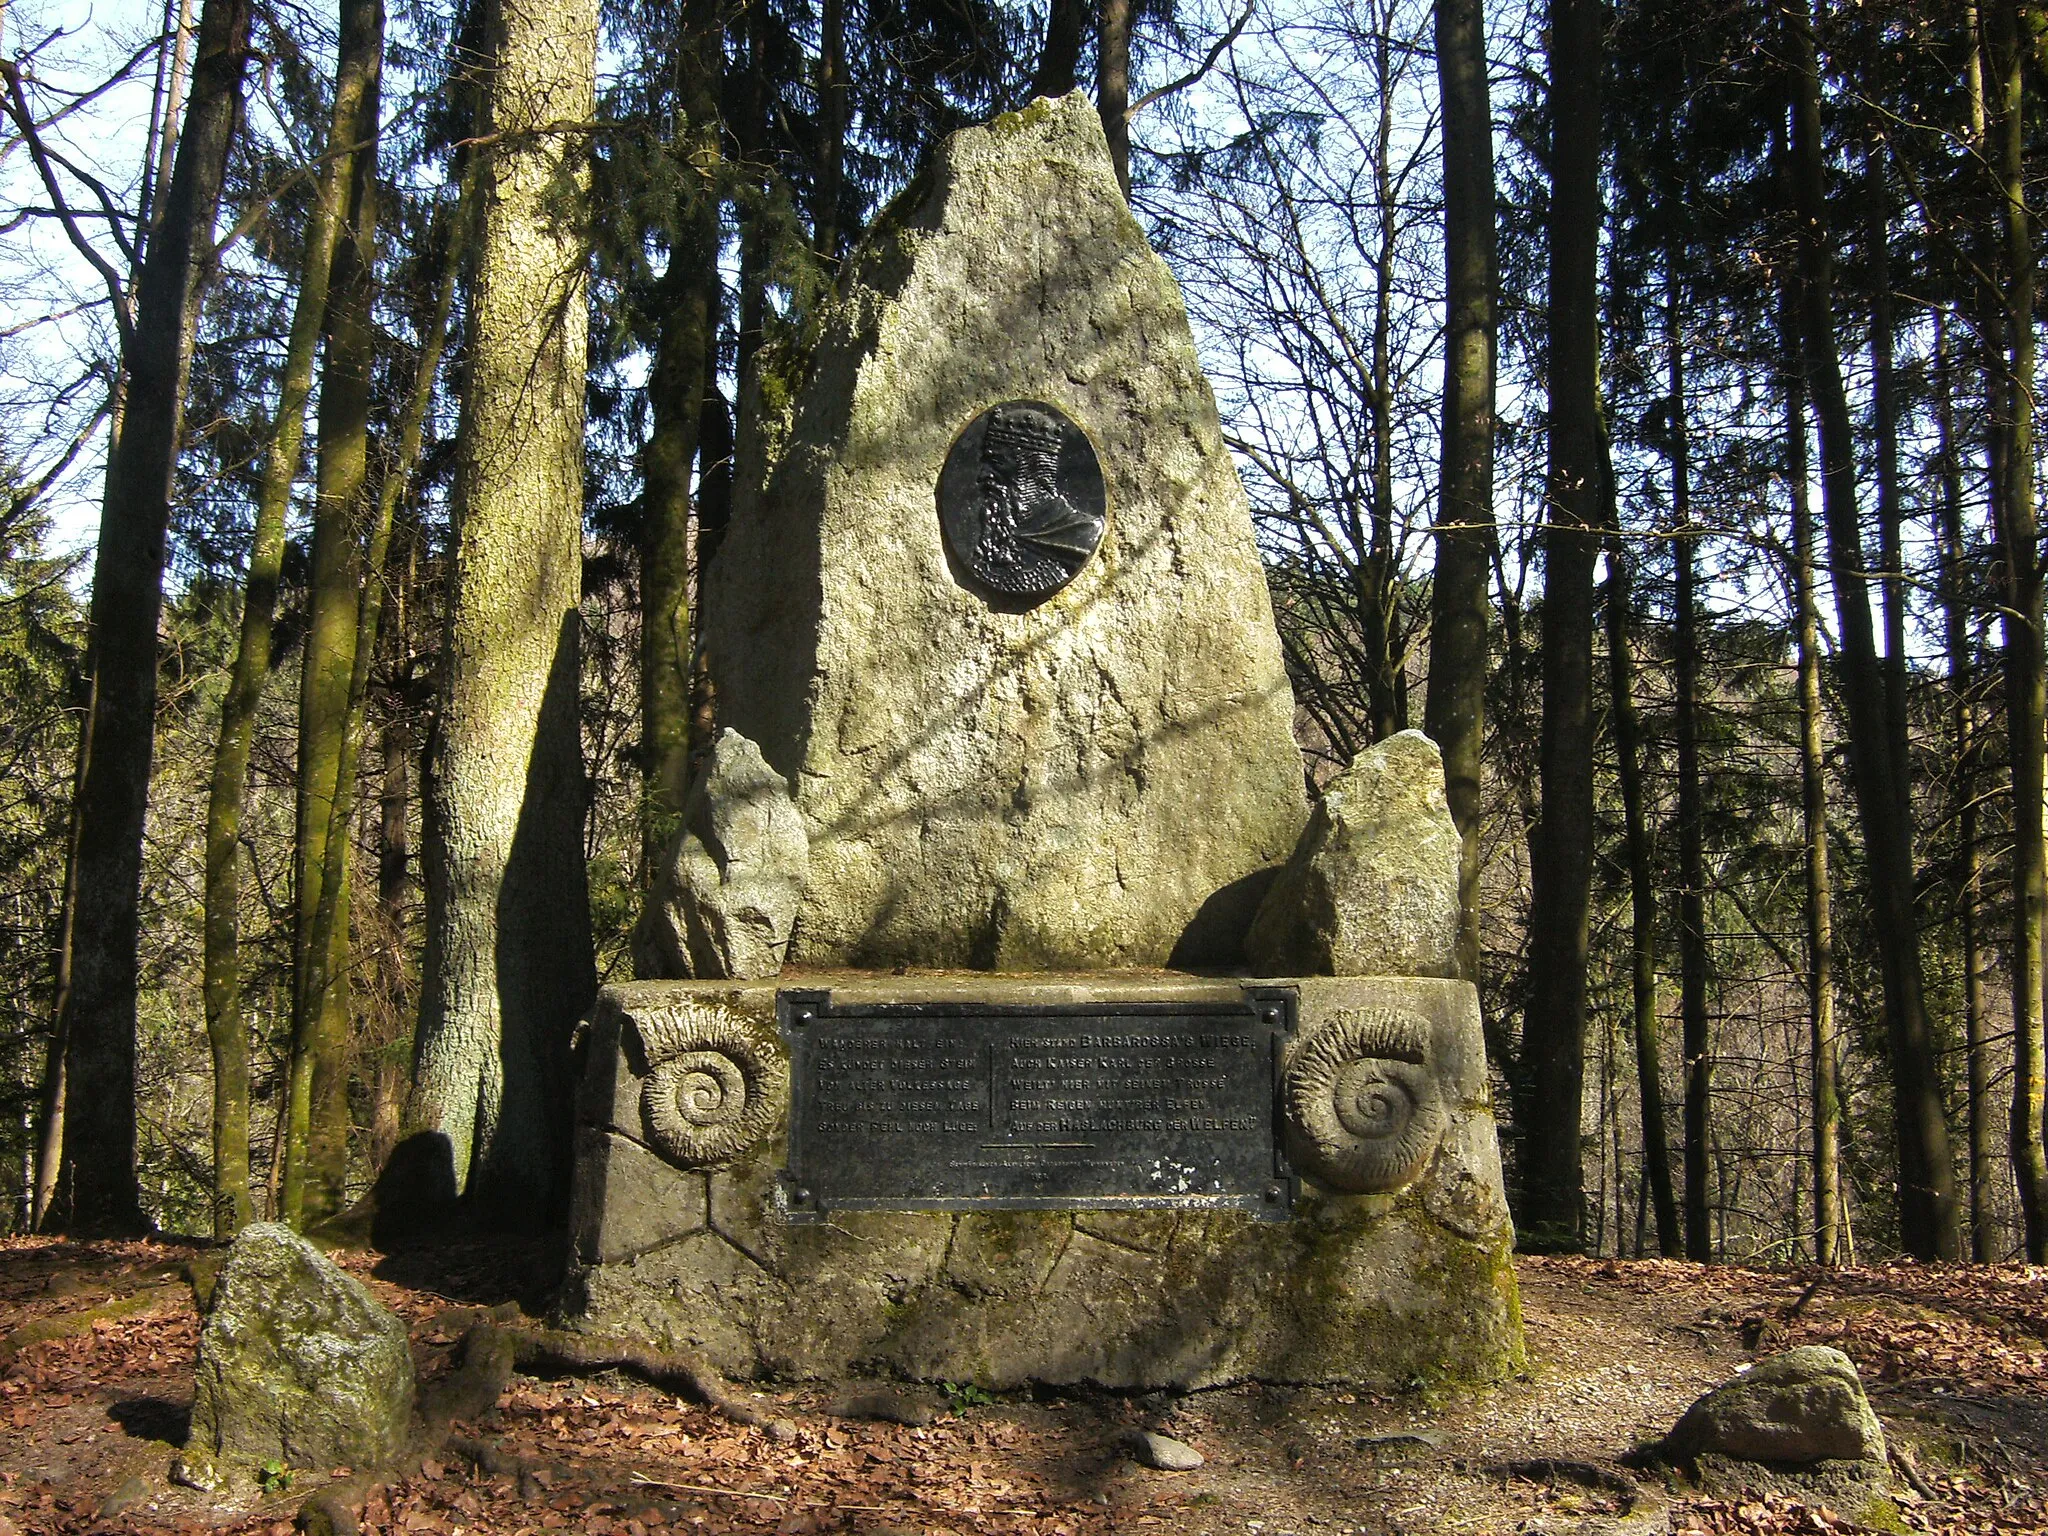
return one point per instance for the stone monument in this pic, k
(971, 1084)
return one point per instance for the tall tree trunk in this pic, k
(316, 1147)
(1642, 885)
(509, 963)
(1692, 862)
(832, 122)
(1113, 86)
(2026, 674)
(1927, 1194)
(1453, 709)
(1884, 391)
(331, 915)
(1963, 725)
(686, 339)
(227, 1034)
(1824, 1052)
(1059, 56)
(1561, 848)
(97, 1190)
(1386, 697)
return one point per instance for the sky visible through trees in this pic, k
(1812, 234)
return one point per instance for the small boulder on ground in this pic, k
(1372, 887)
(298, 1364)
(1804, 1406)
(1160, 1452)
(727, 889)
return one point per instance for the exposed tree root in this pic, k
(69, 1325)
(492, 1348)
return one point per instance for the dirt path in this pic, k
(1957, 1361)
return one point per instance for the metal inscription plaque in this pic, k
(1021, 499)
(1086, 1106)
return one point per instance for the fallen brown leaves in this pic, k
(609, 1455)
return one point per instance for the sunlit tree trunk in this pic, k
(1955, 609)
(2026, 675)
(509, 964)
(1823, 1050)
(1927, 1194)
(1454, 706)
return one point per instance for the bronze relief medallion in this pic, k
(1021, 500)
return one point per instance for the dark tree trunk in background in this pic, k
(1454, 707)
(832, 121)
(1927, 1195)
(1113, 86)
(1642, 885)
(1059, 57)
(1552, 1067)
(96, 1190)
(685, 338)
(1692, 862)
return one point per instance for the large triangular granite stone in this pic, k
(1094, 778)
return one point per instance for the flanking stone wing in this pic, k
(991, 776)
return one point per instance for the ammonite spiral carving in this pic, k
(716, 1087)
(1364, 1112)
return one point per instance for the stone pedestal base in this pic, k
(1373, 1289)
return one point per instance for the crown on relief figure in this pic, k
(1024, 433)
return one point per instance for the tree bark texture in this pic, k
(686, 338)
(1824, 1050)
(1059, 56)
(1455, 704)
(509, 964)
(97, 1188)
(1927, 1194)
(2026, 672)
(1561, 847)
(1962, 683)
(316, 1145)
(226, 1032)
(1113, 86)
(1642, 885)
(1692, 863)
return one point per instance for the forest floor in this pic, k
(1956, 1360)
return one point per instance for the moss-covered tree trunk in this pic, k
(1454, 707)
(317, 1120)
(96, 1188)
(222, 985)
(509, 964)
